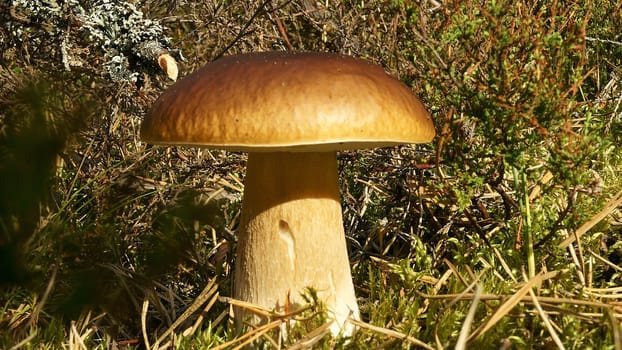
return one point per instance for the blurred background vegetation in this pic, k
(522, 182)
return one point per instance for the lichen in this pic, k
(117, 29)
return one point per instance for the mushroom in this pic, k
(291, 112)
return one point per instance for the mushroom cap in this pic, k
(283, 101)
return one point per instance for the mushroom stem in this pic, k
(291, 236)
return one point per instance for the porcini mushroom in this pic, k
(291, 112)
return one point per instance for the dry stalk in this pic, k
(608, 209)
(545, 319)
(390, 333)
(507, 306)
(143, 323)
(199, 319)
(262, 311)
(311, 338)
(605, 261)
(208, 291)
(250, 336)
(461, 344)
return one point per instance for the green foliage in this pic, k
(66, 241)
(510, 76)
(514, 81)
(36, 126)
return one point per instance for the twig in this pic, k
(279, 24)
(242, 32)
(168, 65)
(589, 38)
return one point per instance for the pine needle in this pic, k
(506, 307)
(390, 333)
(608, 209)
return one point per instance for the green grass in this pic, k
(461, 243)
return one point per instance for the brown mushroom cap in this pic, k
(273, 101)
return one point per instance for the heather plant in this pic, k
(503, 233)
(514, 111)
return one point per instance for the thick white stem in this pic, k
(291, 236)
